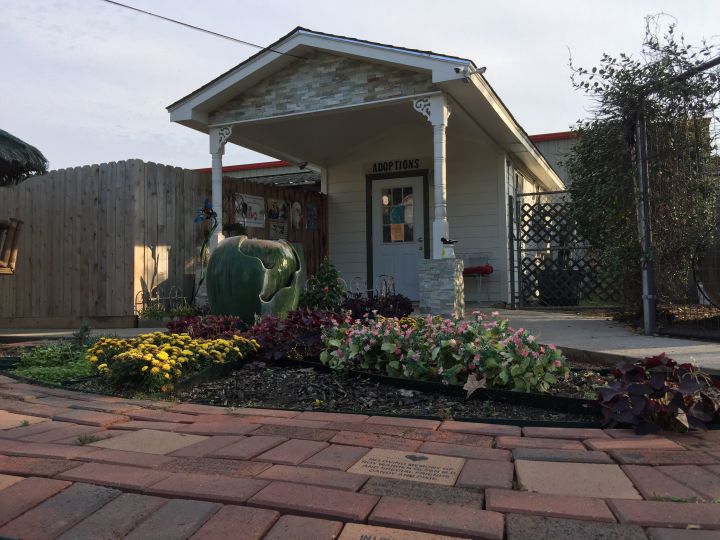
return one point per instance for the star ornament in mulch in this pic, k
(473, 383)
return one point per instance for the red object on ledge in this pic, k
(484, 270)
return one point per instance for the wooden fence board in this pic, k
(96, 235)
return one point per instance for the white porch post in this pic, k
(442, 289)
(437, 112)
(218, 138)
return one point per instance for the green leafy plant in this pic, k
(55, 363)
(154, 311)
(82, 440)
(325, 290)
(682, 166)
(183, 310)
(479, 351)
(81, 336)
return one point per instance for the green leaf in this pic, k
(388, 346)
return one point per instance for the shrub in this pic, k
(152, 362)
(658, 393)
(325, 290)
(208, 326)
(389, 305)
(55, 363)
(445, 350)
(297, 336)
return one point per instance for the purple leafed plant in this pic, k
(208, 326)
(297, 336)
(658, 393)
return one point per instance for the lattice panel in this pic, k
(547, 223)
(547, 282)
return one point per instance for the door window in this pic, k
(397, 214)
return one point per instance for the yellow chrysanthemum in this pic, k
(155, 370)
(144, 368)
(93, 358)
(162, 355)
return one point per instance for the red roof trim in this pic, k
(558, 136)
(251, 166)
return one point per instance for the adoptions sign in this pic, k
(397, 165)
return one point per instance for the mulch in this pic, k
(260, 385)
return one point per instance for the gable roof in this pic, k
(477, 98)
(272, 48)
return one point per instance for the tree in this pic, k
(602, 168)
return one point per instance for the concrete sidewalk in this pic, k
(601, 337)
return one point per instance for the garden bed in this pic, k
(309, 388)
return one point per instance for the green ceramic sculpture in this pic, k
(249, 276)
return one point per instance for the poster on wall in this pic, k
(277, 209)
(249, 210)
(311, 216)
(278, 229)
(296, 216)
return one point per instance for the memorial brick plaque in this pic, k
(409, 466)
(357, 531)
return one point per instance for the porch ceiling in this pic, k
(328, 137)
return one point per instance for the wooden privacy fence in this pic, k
(95, 237)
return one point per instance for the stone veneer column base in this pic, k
(442, 289)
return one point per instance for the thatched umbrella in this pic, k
(18, 160)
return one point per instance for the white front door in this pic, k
(398, 225)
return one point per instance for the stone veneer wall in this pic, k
(442, 288)
(322, 81)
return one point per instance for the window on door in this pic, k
(397, 214)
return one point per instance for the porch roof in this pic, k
(456, 77)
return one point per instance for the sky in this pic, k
(88, 82)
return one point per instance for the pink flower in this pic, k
(557, 363)
(477, 357)
(552, 347)
(495, 313)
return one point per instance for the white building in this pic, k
(412, 147)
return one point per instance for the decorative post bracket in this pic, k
(218, 138)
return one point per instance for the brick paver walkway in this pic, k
(76, 466)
